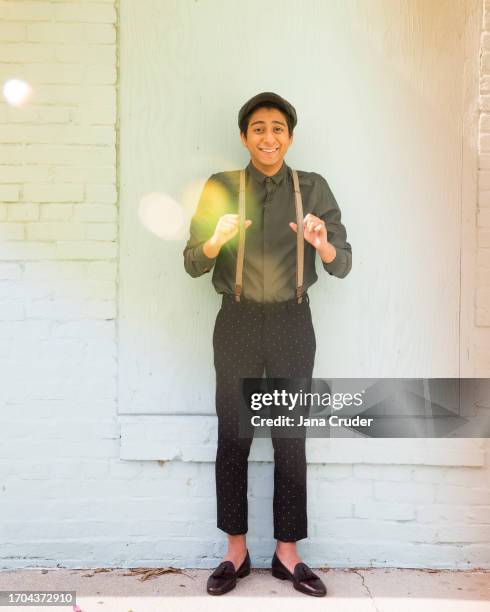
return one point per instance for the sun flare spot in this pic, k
(161, 215)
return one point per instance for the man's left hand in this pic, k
(315, 232)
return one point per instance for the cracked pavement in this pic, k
(349, 590)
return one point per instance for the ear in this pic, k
(243, 138)
(291, 138)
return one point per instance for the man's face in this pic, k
(267, 139)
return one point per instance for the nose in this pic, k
(269, 138)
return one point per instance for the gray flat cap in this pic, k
(262, 99)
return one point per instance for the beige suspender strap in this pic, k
(300, 246)
(241, 237)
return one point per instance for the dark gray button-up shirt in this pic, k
(269, 269)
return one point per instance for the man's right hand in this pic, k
(226, 229)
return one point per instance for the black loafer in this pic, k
(223, 579)
(303, 578)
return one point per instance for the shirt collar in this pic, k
(260, 178)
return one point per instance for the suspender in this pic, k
(300, 243)
(300, 246)
(241, 237)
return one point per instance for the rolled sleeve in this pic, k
(341, 265)
(196, 263)
(336, 233)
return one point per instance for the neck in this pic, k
(267, 170)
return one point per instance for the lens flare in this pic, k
(190, 195)
(214, 199)
(16, 92)
(162, 215)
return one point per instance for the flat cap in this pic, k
(262, 99)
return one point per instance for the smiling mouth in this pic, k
(269, 150)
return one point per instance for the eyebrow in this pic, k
(274, 121)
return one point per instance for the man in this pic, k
(260, 229)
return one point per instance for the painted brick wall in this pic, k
(59, 437)
(66, 497)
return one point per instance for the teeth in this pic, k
(269, 150)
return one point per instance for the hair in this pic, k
(246, 119)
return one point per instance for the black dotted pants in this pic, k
(248, 338)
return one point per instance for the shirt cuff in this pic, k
(341, 265)
(203, 263)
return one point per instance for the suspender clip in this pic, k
(299, 294)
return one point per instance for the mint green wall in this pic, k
(377, 86)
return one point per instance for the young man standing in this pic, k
(260, 229)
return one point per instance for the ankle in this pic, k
(286, 548)
(236, 556)
(237, 543)
(237, 551)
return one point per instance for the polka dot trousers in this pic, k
(250, 339)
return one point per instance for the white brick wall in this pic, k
(66, 496)
(59, 439)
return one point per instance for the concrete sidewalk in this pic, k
(349, 590)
